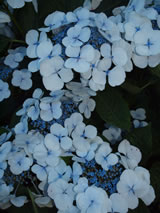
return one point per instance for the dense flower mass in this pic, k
(53, 149)
(96, 178)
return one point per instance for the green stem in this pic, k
(32, 199)
(13, 19)
(18, 41)
(35, 187)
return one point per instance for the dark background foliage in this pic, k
(141, 89)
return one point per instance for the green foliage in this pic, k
(155, 177)
(113, 109)
(4, 42)
(156, 71)
(26, 18)
(109, 5)
(142, 138)
(142, 208)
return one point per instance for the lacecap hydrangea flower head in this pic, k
(97, 48)
(95, 179)
(52, 150)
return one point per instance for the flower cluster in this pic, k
(52, 151)
(96, 178)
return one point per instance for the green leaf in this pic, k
(142, 138)
(26, 17)
(113, 109)
(4, 42)
(109, 5)
(155, 71)
(155, 177)
(131, 88)
(142, 208)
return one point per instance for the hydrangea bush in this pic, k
(79, 93)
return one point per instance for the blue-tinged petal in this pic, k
(43, 37)
(56, 110)
(32, 51)
(46, 115)
(119, 56)
(34, 66)
(85, 34)
(18, 57)
(71, 17)
(105, 50)
(49, 19)
(57, 50)
(16, 3)
(87, 53)
(82, 13)
(33, 112)
(18, 201)
(53, 82)
(37, 93)
(70, 63)
(72, 51)
(66, 74)
(44, 49)
(4, 18)
(116, 76)
(32, 37)
(57, 94)
(21, 128)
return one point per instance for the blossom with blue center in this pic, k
(72, 122)
(54, 20)
(135, 23)
(82, 136)
(48, 151)
(82, 16)
(31, 107)
(60, 135)
(15, 57)
(19, 163)
(87, 106)
(104, 157)
(132, 188)
(138, 114)
(26, 141)
(22, 79)
(129, 154)
(50, 109)
(76, 36)
(94, 200)
(4, 90)
(112, 134)
(147, 42)
(79, 58)
(55, 73)
(138, 124)
(33, 39)
(61, 171)
(62, 193)
(41, 171)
